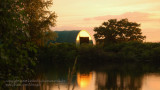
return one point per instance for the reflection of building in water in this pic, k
(79, 82)
(101, 79)
(84, 80)
(114, 81)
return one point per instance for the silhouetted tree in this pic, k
(39, 20)
(17, 54)
(115, 31)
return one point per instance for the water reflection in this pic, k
(115, 81)
(151, 82)
(109, 79)
(84, 80)
(81, 81)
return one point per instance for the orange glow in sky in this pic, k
(87, 14)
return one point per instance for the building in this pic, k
(74, 36)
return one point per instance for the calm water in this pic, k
(111, 77)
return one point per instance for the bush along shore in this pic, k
(92, 55)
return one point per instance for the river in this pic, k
(109, 77)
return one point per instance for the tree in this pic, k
(39, 20)
(11, 21)
(22, 22)
(115, 31)
(49, 36)
(17, 53)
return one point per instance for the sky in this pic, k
(87, 14)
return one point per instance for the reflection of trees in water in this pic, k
(40, 83)
(118, 81)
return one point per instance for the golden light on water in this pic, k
(84, 79)
(151, 82)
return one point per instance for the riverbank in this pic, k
(91, 55)
(121, 57)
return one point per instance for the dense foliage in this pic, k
(39, 21)
(22, 23)
(58, 54)
(91, 56)
(121, 53)
(115, 31)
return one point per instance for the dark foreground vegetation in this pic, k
(23, 27)
(92, 55)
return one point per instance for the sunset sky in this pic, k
(87, 14)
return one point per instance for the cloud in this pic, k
(132, 16)
(70, 28)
